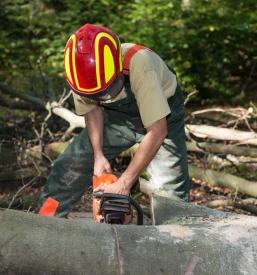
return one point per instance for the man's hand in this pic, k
(101, 166)
(118, 187)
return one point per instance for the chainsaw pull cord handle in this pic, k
(140, 214)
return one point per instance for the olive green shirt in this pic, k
(151, 83)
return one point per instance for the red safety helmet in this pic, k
(93, 62)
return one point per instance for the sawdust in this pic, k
(175, 230)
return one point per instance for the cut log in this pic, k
(202, 244)
(218, 133)
(216, 178)
(223, 149)
(238, 112)
(216, 162)
(247, 205)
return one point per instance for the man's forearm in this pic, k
(146, 152)
(94, 124)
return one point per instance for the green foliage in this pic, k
(210, 43)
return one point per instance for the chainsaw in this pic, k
(113, 208)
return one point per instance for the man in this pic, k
(127, 95)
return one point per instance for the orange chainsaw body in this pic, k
(106, 178)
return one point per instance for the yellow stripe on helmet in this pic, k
(109, 68)
(107, 74)
(67, 65)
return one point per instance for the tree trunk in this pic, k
(190, 240)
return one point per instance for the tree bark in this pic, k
(190, 241)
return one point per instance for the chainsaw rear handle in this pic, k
(140, 215)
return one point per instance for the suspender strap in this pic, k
(128, 55)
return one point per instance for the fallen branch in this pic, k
(10, 91)
(234, 112)
(189, 96)
(21, 201)
(223, 149)
(201, 131)
(218, 161)
(30, 183)
(230, 202)
(23, 173)
(249, 208)
(246, 204)
(215, 178)
(17, 105)
(240, 113)
(74, 120)
(225, 134)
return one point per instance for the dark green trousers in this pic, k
(72, 172)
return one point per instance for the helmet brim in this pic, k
(109, 93)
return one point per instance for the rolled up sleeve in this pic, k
(151, 100)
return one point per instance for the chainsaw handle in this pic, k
(108, 178)
(140, 214)
(101, 195)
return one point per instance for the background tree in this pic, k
(211, 44)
